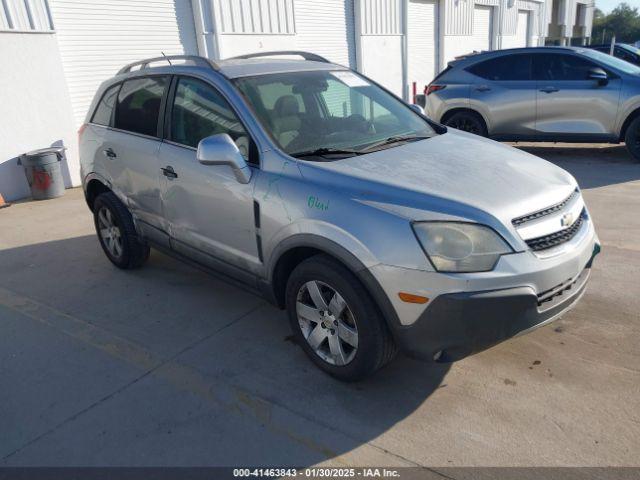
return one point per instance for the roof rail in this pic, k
(197, 60)
(305, 55)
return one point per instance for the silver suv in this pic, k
(559, 94)
(310, 184)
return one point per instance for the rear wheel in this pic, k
(632, 138)
(467, 121)
(335, 320)
(117, 233)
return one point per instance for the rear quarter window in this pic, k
(102, 114)
(505, 68)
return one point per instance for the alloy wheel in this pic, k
(110, 232)
(327, 323)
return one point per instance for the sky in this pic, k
(607, 5)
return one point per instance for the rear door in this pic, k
(504, 93)
(134, 143)
(569, 103)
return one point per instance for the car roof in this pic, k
(229, 68)
(235, 68)
(477, 56)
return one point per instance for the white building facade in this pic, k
(59, 51)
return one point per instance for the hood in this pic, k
(457, 167)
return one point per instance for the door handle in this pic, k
(110, 153)
(169, 172)
(549, 89)
(483, 88)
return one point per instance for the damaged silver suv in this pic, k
(376, 228)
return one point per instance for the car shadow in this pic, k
(214, 342)
(592, 166)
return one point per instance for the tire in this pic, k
(467, 121)
(121, 244)
(632, 138)
(374, 344)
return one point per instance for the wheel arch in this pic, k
(289, 253)
(94, 185)
(446, 115)
(630, 118)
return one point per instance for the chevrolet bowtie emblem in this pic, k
(566, 220)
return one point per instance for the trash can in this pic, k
(44, 175)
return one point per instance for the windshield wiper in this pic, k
(323, 151)
(395, 139)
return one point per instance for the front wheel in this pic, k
(632, 138)
(335, 320)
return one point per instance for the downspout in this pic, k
(357, 31)
(207, 31)
(405, 50)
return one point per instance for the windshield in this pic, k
(330, 113)
(612, 61)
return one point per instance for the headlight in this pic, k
(460, 247)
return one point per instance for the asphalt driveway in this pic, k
(169, 366)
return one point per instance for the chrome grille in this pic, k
(549, 241)
(544, 212)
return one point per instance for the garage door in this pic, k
(326, 28)
(518, 40)
(97, 39)
(422, 41)
(482, 28)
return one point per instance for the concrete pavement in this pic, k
(169, 366)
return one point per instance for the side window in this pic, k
(562, 67)
(102, 114)
(624, 55)
(505, 68)
(200, 111)
(139, 105)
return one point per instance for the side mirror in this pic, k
(417, 108)
(598, 74)
(220, 150)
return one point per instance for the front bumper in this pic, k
(468, 313)
(457, 325)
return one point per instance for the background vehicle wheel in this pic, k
(632, 138)
(335, 320)
(117, 233)
(467, 122)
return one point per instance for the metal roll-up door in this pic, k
(520, 39)
(422, 42)
(326, 28)
(97, 38)
(482, 28)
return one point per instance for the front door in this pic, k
(210, 215)
(568, 102)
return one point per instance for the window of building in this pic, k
(139, 105)
(102, 115)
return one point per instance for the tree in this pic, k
(623, 22)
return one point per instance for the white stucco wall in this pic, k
(36, 110)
